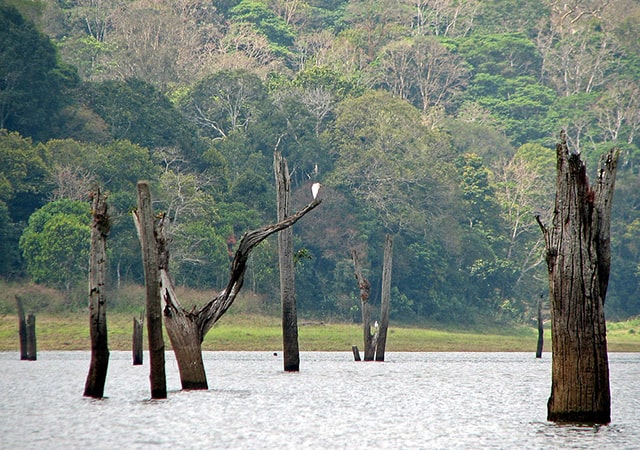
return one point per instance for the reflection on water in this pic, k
(414, 400)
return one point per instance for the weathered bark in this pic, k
(291, 351)
(578, 259)
(540, 330)
(137, 348)
(32, 348)
(385, 298)
(365, 291)
(22, 330)
(187, 329)
(96, 378)
(147, 235)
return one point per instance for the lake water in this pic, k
(414, 400)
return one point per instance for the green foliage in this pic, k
(507, 55)
(221, 85)
(325, 77)
(31, 88)
(136, 111)
(385, 158)
(520, 105)
(512, 16)
(24, 184)
(55, 244)
(266, 22)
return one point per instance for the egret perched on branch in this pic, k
(315, 188)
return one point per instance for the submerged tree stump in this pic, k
(365, 291)
(22, 330)
(578, 258)
(32, 348)
(96, 378)
(150, 261)
(356, 353)
(291, 351)
(137, 347)
(540, 345)
(27, 333)
(385, 298)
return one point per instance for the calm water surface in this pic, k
(414, 400)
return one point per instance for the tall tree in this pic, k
(578, 257)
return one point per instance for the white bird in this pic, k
(315, 188)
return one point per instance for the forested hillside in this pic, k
(432, 120)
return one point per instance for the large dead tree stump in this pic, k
(578, 259)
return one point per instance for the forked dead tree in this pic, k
(578, 258)
(187, 329)
(94, 385)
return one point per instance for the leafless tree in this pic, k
(578, 256)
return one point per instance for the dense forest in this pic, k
(431, 120)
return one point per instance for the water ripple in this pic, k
(415, 400)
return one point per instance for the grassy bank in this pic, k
(263, 333)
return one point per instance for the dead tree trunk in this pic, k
(32, 348)
(291, 351)
(22, 330)
(94, 385)
(540, 330)
(147, 234)
(385, 298)
(137, 348)
(365, 290)
(578, 258)
(27, 332)
(187, 329)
